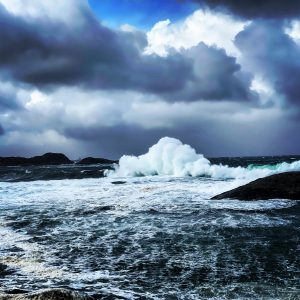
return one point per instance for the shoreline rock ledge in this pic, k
(278, 186)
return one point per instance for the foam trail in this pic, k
(170, 157)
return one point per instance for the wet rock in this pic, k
(118, 182)
(16, 292)
(99, 209)
(94, 161)
(53, 294)
(278, 186)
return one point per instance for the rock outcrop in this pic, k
(278, 186)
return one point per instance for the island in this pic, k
(51, 159)
(95, 161)
(45, 159)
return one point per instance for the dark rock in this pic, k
(94, 161)
(53, 294)
(16, 292)
(13, 161)
(46, 159)
(98, 210)
(278, 186)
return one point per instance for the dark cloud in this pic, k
(216, 76)
(268, 50)
(121, 140)
(1, 130)
(47, 54)
(256, 8)
(213, 138)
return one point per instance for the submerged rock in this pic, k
(94, 161)
(278, 186)
(53, 294)
(46, 159)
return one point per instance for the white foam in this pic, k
(259, 205)
(171, 157)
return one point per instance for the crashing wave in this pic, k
(171, 157)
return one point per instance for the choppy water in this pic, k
(153, 237)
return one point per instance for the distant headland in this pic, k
(51, 159)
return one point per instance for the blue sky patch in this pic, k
(140, 13)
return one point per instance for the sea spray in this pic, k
(171, 157)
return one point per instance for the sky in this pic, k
(111, 77)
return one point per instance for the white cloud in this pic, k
(202, 26)
(67, 11)
(293, 30)
(266, 91)
(128, 28)
(72, 107)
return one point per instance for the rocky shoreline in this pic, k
(278, 186)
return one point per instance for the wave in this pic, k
(171, 157)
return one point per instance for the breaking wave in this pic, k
(171, 157)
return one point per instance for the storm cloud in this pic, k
(51, 54)
(75, 85)
(250, 9)
(1, 130)
(8, 102)
(269, 51)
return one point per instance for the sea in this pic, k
(148, 229)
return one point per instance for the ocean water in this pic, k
(155, 236)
